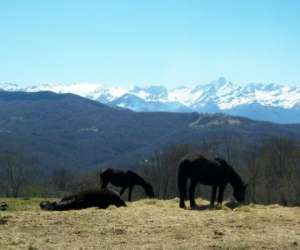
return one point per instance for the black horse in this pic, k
(125, 179)
(216, 173)
(88, 198)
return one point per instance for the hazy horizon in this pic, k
(149, 43)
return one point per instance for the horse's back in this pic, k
(132, 175)
(101, 198)
(191, 157)
(116, 177)
(105, 172)
(109, 173)
(206, 171)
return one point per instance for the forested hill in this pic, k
(65, 130)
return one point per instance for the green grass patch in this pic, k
(21, 204)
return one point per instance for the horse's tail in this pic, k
(182, 177)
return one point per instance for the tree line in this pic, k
(271, 169)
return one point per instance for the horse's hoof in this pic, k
(219, 206)
(182, 205)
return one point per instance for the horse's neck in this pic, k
(234, 179)
(140, 181)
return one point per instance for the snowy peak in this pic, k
(7, 86)
(217, 96)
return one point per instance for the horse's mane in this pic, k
(139, 179)
(234, 177)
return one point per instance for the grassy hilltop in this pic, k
(149, 224)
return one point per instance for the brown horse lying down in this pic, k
(100, 198)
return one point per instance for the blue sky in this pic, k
(149, 42)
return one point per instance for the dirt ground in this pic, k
(149, 224)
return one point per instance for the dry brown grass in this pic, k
(150, 224)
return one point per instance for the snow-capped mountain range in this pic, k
(271, 102)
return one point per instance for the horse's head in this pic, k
(47, 205)
(120, 203)
(240, 193)
(149, 191)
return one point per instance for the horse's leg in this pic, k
(213, 196)
(192, 193)
(129, 193)
(123, 190)
(221, 194)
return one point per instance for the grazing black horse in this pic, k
(216, 173)
(125, 179)
(88, 198)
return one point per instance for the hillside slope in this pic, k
(71, 131)
(74, 131)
